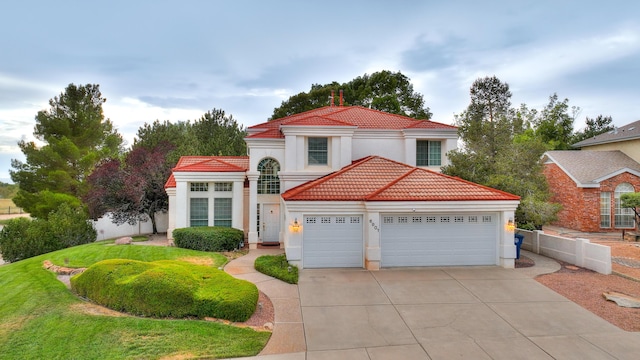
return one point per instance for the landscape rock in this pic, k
(127, 240)
(622, 299)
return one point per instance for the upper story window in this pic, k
(318, 151)
(223, 186)
(428, 153)
(269, 182)
(199, 186)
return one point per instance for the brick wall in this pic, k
(581, 206)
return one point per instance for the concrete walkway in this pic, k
(431, 313)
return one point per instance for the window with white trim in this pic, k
(222, 212)
(269, 182)
(317, 151)
(199, 186)
(223, 186)
(623, 216)
(428, 153)
(605, 209)
(199, 212)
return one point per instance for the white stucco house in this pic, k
(347, 186)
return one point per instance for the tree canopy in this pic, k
(76, 137)
(132, 190)
(387, 91)
(596, 126)
(502, 151)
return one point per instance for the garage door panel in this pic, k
(332, 241)
(438, 240)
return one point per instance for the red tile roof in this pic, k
(171, 182)
(358, 116)
(212, 164)
(208, 164)
(375, 178)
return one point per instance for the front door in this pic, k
(271, 223)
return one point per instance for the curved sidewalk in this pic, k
(287, 339)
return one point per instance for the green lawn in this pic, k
(40, 317)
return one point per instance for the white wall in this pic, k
(108, 230)
(579, 252)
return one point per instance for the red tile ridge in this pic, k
(398, 179)
(313, 183)
(208, 159)
(512, 196)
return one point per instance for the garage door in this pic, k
(332, 241)
(438, 240)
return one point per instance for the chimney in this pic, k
(341, 99)
(332, 97)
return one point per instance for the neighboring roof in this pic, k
(208, 164)
(375, 178)
(623, 133)
(358, 116)
(588, 168)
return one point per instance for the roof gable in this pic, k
(375, 178)
(358, 116)
(212, 164)
(623, 133)
(587, 168)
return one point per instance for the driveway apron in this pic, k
(446, 313)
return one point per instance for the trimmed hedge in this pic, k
(208, 238)
(278, 267)
(167, 289)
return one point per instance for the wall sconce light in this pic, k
(295, 227)
(511, 226)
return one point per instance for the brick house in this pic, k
(589, 184)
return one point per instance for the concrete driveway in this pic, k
(449, 313)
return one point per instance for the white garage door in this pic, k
(438, 240)
(332, 241)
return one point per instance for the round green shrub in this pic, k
(208, 238)
(167, 289)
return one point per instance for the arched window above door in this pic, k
(269, 182)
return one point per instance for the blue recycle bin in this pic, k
(518, 242)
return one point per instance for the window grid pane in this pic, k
(269, 182)
(605, 209)
(318, 151)
(199, 212)
(434, 153)
(199, 186)
(222, 212)
(623, 216)
(428, 153)
(224, 186)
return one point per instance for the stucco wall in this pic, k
(631, 148)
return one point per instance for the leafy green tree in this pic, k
(631, 201)
(486, 128)
(8, 191)
(501, 150)
(599, 125)
(387, 91)
(554, 125)
(76, 137)
(218, 134)
(179, 135)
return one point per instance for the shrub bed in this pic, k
(208, 238)
(278, 267)
(65, 227)
(167, 289)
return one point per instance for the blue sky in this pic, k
(174, 60)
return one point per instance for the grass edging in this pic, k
(278, 267)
